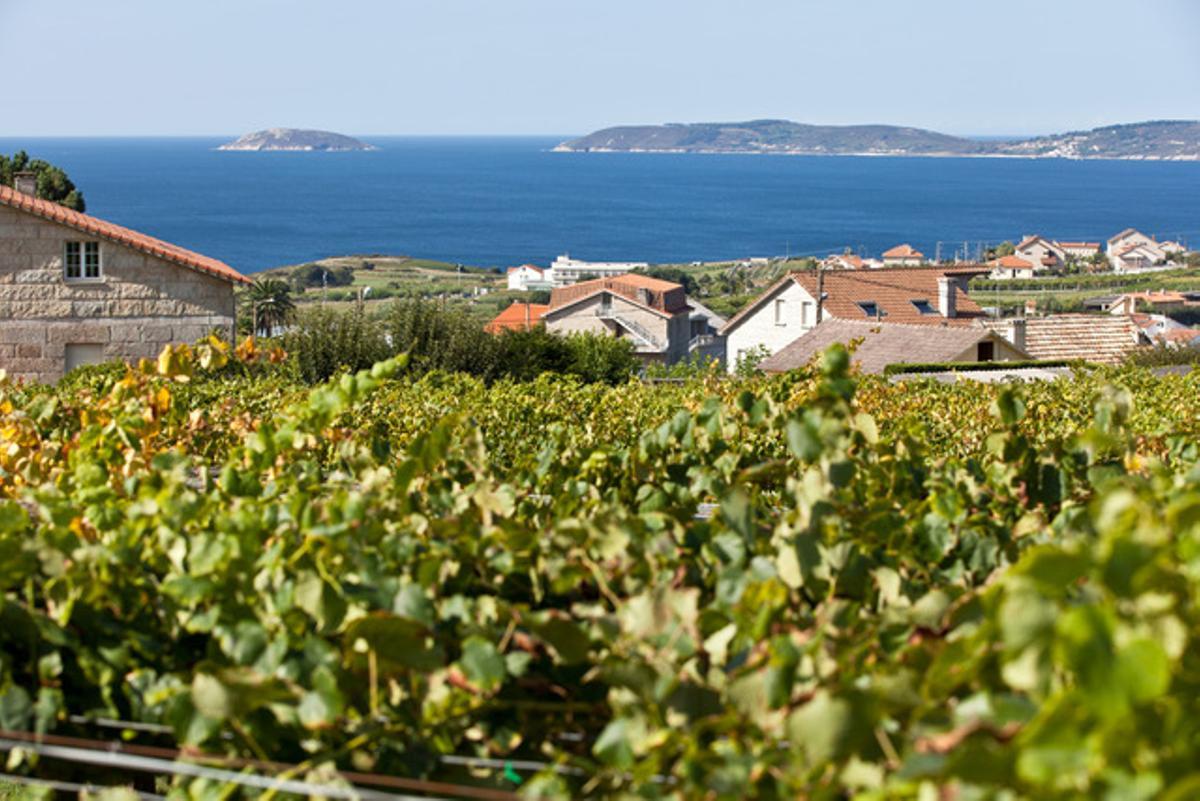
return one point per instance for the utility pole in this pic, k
(937, 253)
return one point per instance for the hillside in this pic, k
(1165, 140)
(296, 139)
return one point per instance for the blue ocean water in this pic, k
(505, 201)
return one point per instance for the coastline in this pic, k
(872, 154)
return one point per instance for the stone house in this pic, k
(652, 313)
(77, 290)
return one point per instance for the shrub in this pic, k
(325, 341)
(596, 358)
(436, 339)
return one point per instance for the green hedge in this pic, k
(962, 367)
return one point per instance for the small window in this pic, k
(806, 315)
(870, 308)
(987, 351)
(81, 261)
(780, 316)
(924, 307)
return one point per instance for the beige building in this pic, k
(651, 313)
(77, 290)
(1041, 253)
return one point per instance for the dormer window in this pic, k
(81, 261)
(870, 308)
(924, 306)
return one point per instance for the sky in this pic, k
(563, 67)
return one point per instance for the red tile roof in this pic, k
(892, 290)
(1015, 262)
(661, 296)
(517, 317)
(533, 267)
(905, 251)
(48, 210)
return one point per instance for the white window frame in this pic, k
(83, 247)
(806, 315)
(780, 314)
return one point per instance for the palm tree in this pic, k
(271, 305)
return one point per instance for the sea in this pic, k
(503, 201)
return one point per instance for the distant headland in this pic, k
(1162, 140)
(296, 139)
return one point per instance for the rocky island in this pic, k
(1163, 140)
(296, 139)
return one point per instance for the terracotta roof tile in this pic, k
(662, 296)
(1015, 262)
(882, 344)
(893, 290)
(905, 251)
(517, 317)
(48, 210)
(1103, 338)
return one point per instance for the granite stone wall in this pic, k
(138, 305)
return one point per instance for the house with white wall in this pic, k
(789, 308)
(1131, 250)
(526, 277)
(903, 256)
(565, 271)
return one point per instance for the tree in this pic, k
(1003, 249)
(52, 182)
(271, 305)
(675, 275)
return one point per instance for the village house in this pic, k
(877, 345)
(849, 261)
(526, 277)
(1011, 267)
(1079, 251)
(788, 309)
(903, 256)
(1041, 253)
(1131, 251)
(517, 317)
(653, 314)
(77, 290)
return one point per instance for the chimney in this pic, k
(25, 182)
(1016, 332)
(947, 296)
(643, 296)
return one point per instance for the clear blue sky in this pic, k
(100, 67)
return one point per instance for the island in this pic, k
(1160, 140)
(296, 139)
